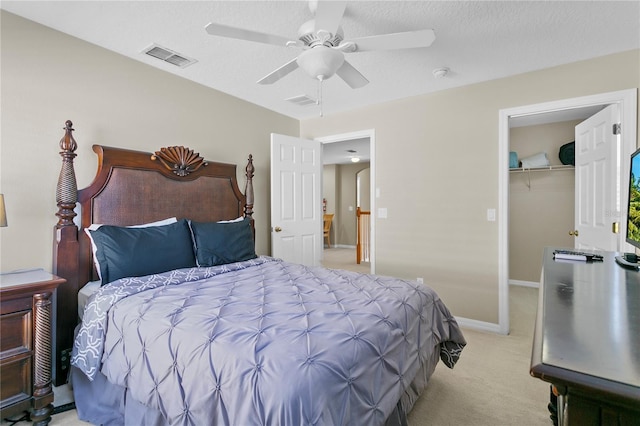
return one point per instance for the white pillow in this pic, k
(240, 219)
(95, 226)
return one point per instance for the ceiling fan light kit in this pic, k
(320, 62)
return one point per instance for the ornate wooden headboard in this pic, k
(132, 187)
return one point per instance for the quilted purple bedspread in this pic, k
(265, 342)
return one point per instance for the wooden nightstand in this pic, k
(26, 317)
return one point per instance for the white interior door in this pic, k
(597, 194)
(296, 213)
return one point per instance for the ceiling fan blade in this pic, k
(351, 76)
(276, 75)
(242, 34)
(406, 40)
(328, 15)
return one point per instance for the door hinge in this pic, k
(615, 227)
(617, 128)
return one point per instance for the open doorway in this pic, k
(345, 156)
(541, 189)
(626, 100)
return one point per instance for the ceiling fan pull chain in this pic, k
(320, 80)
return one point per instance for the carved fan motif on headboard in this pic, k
(179, 160)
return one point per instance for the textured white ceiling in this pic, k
(477, 40)
(342, 152)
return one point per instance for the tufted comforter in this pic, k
(265, 342)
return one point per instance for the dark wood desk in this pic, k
(587, 340)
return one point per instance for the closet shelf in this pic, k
(541, 169)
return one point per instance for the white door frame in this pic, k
(370, 133)
(626, 99)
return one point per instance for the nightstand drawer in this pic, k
(15, 304)
(15, 381)
(15, 329)
(26, 314)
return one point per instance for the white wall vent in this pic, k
(169, 56)
(302, 100)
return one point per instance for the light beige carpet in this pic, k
(343, 258)
(490, 385)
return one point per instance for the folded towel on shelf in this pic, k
(537, 160)
(513, 160)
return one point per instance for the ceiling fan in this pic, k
(323, 44)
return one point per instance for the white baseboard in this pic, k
(533, 284)
(479, 325)
(343, 246)
(489, 326)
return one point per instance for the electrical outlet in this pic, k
(65, 359)
(420, 280)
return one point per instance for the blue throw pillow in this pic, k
(135, 252)
(219, 243)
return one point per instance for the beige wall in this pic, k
(438, 173)
(329, 189)
(346, 227)
(437, 170)
(339, 188)
(541, 204)
(365, 188)
(49, 77)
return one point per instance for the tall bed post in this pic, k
(65, 257)
(248, 188)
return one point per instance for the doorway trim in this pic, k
(360, 134)
(626, 100)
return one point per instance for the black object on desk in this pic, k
(629, 260)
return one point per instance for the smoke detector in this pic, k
(440, 72)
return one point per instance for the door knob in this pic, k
(277, 229)
(574, 233)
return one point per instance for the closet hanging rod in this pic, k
(542, 169)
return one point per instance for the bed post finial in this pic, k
(248, 188)
(67, 189)
(66, 257)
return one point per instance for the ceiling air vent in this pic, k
(302, 100)
(169, 56)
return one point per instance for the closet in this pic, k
(541, 199)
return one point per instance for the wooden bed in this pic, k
(240, 339)
(131, 187)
